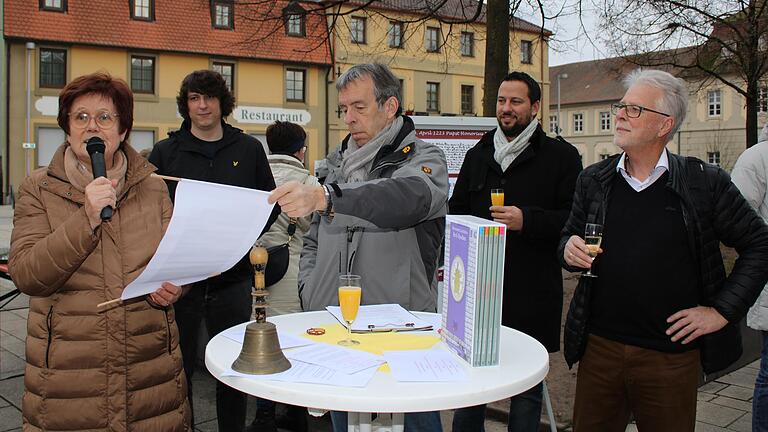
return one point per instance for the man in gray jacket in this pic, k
(750, 175)
(380, 213)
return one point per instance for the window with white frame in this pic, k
(467, 99)
(142, 139)
(553, 124)
(48, 141)
(294, 25)
(54, 5)
(395, 34)
(467, 44)
(53, 68)
(526, 52)
(357, 30)
(713, 157)
(605, 120)
(294, 85)
(223, 14)
(142, 9)
(432, 39)
(762, 99)
(143, 74)
(227, 71)
(433, 96)
(578, 122)
(714, 104)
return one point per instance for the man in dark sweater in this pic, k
(537, 174)
(206, 148)
(660, 309)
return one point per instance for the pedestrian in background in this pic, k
(750, 175)
(287, 146)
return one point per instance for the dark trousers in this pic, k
(524, 413)
(615, 380)
(222, 305)
(760, 397)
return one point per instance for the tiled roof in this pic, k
(180, 26)
(450, 10)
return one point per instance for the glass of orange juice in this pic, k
(497, 197)
(350, 292)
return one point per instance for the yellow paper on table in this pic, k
(376, 343)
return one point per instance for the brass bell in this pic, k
(261, 353)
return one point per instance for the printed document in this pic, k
(212, 228)
(382, 318)
(432, 365)
(313, 374)
(340, 359)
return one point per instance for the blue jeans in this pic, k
(524, 413)
(760, 397)
(414, 422)
(223, 305)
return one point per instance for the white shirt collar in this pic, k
(662, 165)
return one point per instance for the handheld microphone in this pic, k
(95, 148)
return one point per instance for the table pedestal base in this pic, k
(361, 422)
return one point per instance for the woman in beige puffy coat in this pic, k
(117, 369)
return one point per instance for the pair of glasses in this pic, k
(633, 111)
(104, 119)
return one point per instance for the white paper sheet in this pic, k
(432, 365)
(383, 317)
(344, 360)
(313, 374)
(212, 228)
(287, 340)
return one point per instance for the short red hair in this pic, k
(104, 85)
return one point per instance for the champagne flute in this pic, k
(593, 236)
(497, 197)
(349, 302)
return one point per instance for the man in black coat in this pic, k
(207, 148)
(537, 175)
(661, 307)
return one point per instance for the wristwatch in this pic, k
(328, 212)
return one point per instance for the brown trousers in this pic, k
(615, 380)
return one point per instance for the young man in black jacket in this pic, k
(661, 308)
(537, 175)
(206, 148)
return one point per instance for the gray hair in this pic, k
(763, 134)
(675, 94)
(385, 84)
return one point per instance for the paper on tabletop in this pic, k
(335, 357)
(213, 226)
(433, 365)
(313, 374)
(382, 316)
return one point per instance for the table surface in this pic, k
(524, 363)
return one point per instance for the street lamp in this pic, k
(559, 77)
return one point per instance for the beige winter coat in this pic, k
(114, 370)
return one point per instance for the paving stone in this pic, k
(742, 424)
(10, 419)
(4, 403)
(716, 415)
(17, 328)
(14, 345)
(754, 365)
(712, 387)
(11, 390)
(741, 377)
(733, 403)
(704, 427)
(737, 392)
(631, 428)
(10, 364)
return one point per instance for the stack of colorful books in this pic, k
(472, 288)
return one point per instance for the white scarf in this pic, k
(507, 151)
(357, 160)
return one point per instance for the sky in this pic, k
(570, 42)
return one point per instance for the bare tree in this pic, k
(717, 40)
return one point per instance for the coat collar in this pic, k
(138, 169)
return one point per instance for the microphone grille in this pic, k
(95, 145)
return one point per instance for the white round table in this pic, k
(524, 363)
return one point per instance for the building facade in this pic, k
(440, 65)
(713, 130)
(153, 45)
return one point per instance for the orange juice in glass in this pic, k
(350, 292)
(497, 197)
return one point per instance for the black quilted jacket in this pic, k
(713, 211)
